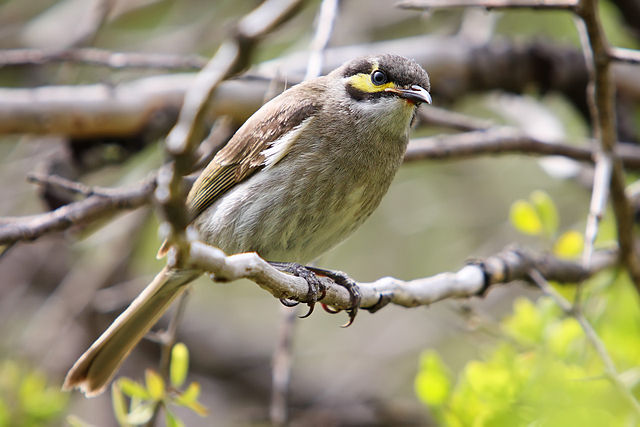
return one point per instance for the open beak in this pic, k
(415, 93)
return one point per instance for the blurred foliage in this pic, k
(543, 370)
(26, 398)
(144, 399)
(538, 216)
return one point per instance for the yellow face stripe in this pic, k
(363, 83)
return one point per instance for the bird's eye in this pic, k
(378, 77)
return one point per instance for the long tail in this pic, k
(93, 371)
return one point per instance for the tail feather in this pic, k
(93, 371)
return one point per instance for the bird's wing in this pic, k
(261, 142)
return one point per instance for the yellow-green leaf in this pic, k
(546, 210)
(569, 245)
(119, 404)
(189, 395)
(155, 384)
(432, 384)
(524, 218)
(179, 364)
(133, 389)
(198, 408)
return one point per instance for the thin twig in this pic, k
(631, 56)
(281, 367)
(73, 186)
(14, 229)
(591, 335)
(488, 4)
(328, 12)
(170, 335)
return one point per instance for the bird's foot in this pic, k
(316, 291)
(349, 284)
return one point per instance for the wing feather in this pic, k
(244, 153)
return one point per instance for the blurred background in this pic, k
(59, 292)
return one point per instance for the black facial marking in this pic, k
(357, 66)
(359, 95)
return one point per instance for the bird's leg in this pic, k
(346, 282)
(316, 291)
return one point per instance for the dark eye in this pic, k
(378, 77)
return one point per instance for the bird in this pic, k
(298, 177)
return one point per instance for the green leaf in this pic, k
(569, 245)
(546, 210)
(179, 364)
(189, 395)
(563, 336)
(119, 404)
(526, 324)
(432, 384)
(198, 408)
(133, 389)
(189, 399)
(155, 384)
(171, 420)
(524, 218)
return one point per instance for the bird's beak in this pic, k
(415, 93)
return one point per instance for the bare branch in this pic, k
(472, 280)
(73, 186)
(129, 108)
(506, 140)
(631, 56)
(101, 57)
(81, 212)
(328, 12)
(600, 96)
(488, 4)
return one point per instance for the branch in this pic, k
(129, 108)
(620, 54)
(506, 140)
(101, 57)
(488, 4)
(81, 212)
(600, 96)
(474, 279)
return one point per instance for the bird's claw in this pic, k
(385, 298)
(316, 290)
(349, 284)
